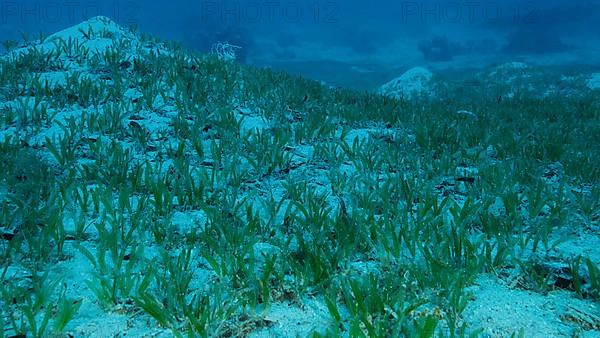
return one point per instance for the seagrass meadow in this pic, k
(149, 191)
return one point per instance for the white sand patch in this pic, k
(503, 311)
(413, 82)
(593, 82)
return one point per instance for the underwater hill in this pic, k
(148, 191)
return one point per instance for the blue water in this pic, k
(352, 43)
